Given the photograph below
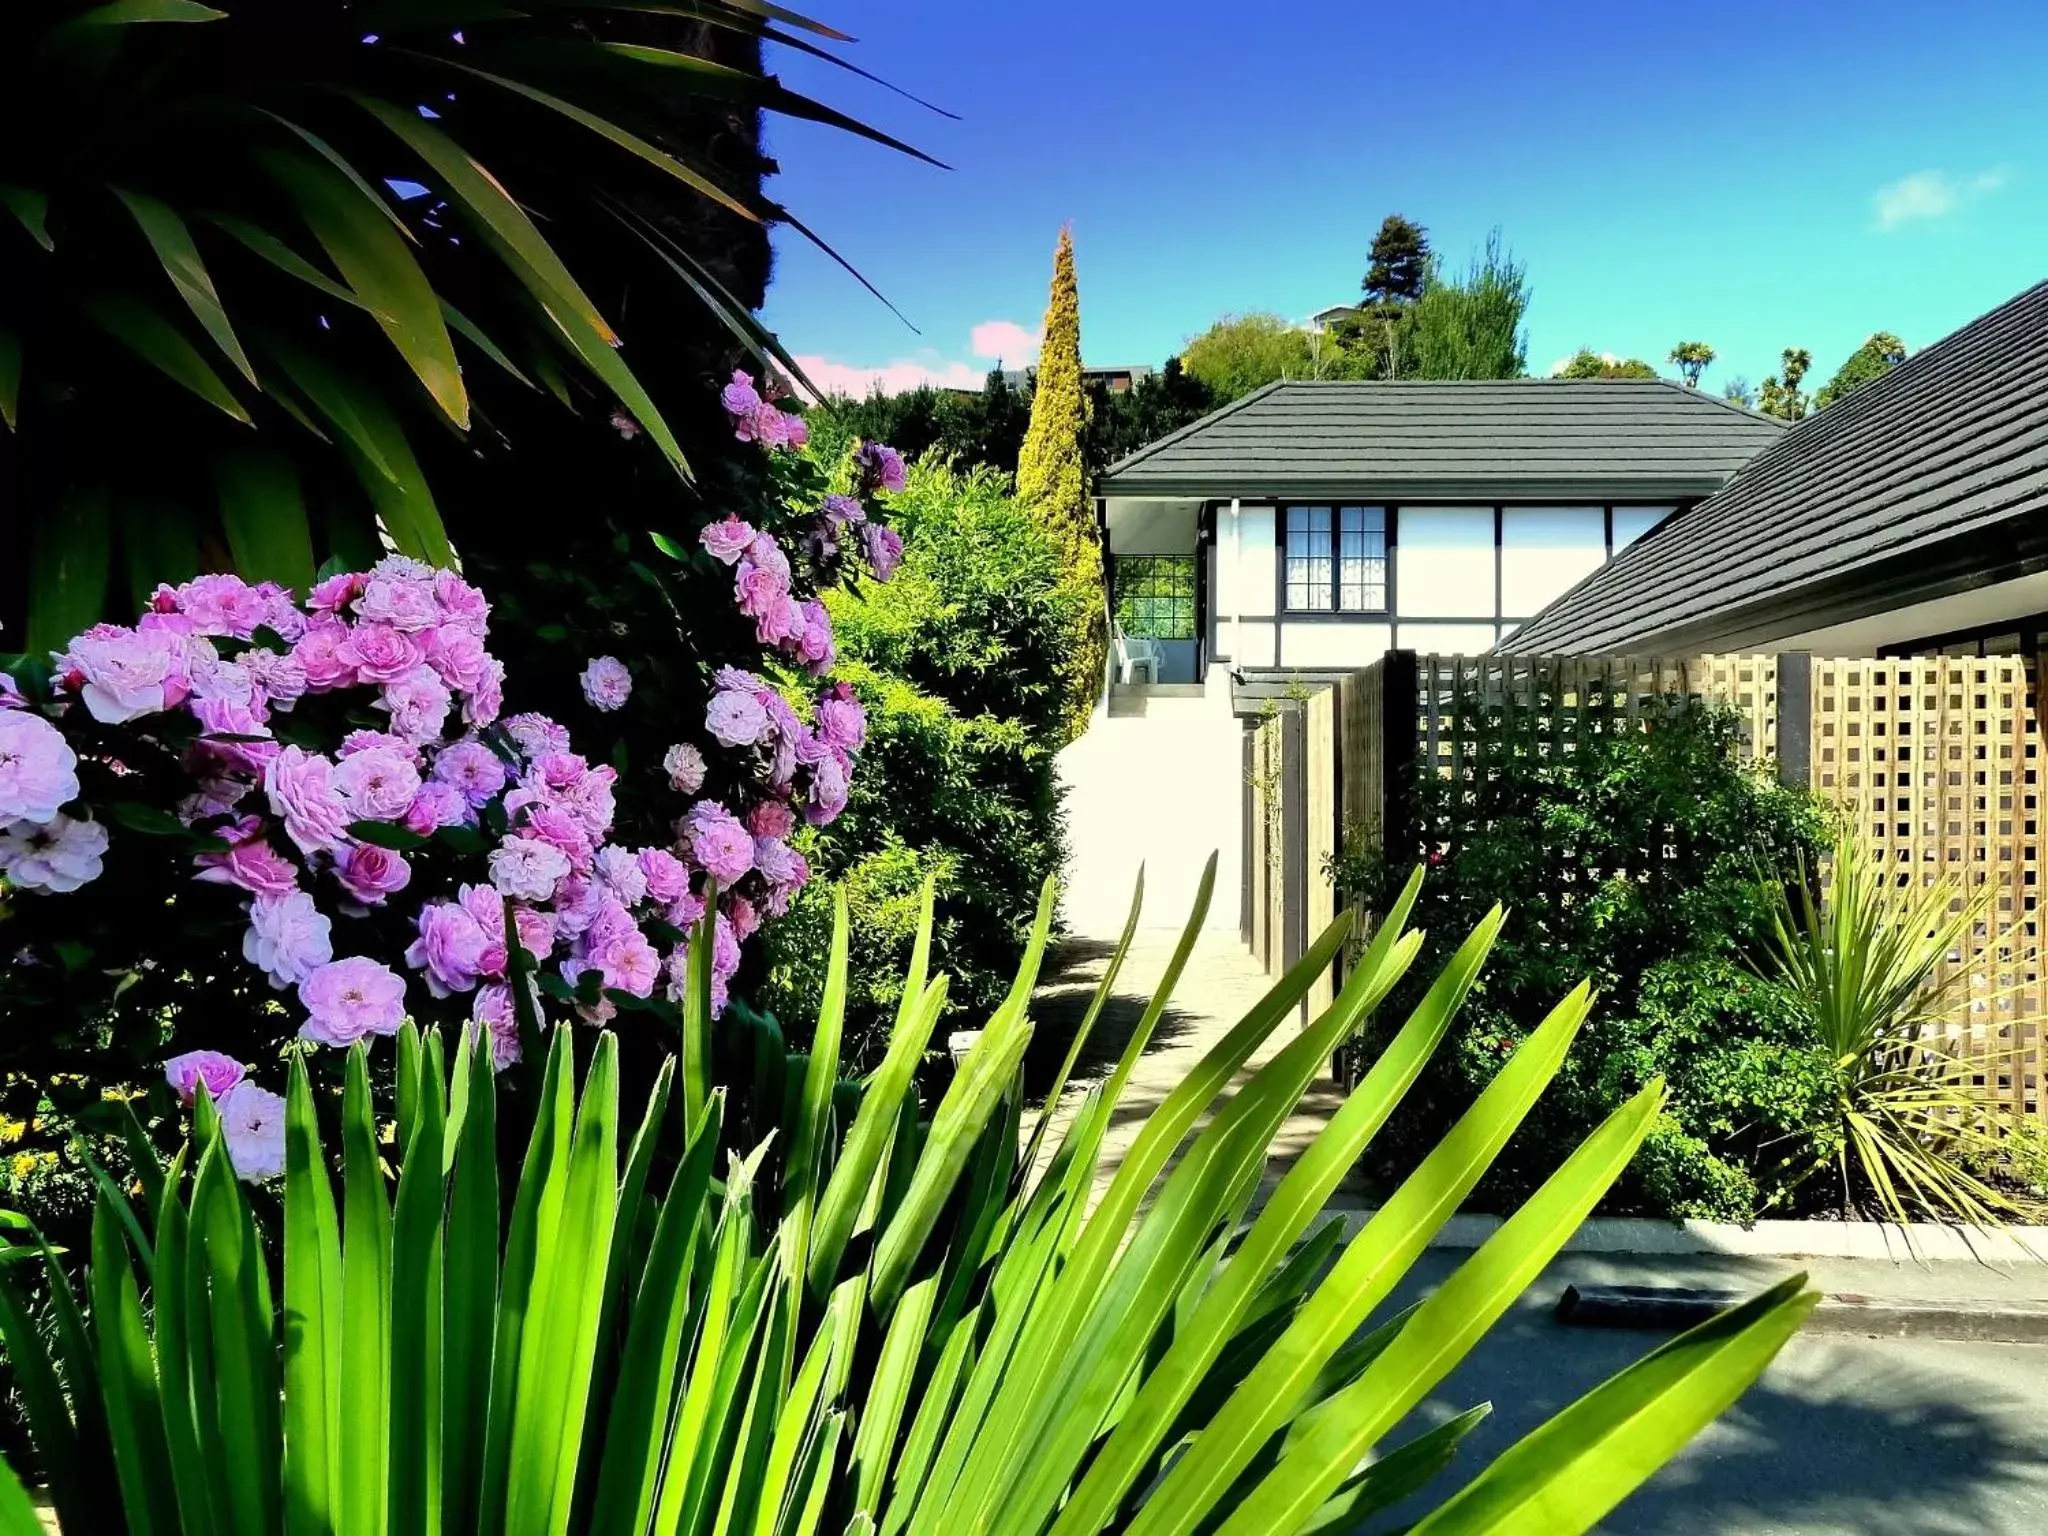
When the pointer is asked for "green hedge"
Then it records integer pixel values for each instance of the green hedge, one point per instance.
(1645, 861)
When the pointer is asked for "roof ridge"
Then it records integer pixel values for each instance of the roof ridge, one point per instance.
(1746, 412)
(1221, 411)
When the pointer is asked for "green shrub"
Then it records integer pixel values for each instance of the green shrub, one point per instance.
(956, 662)
(1650, 861)
(868, 1325)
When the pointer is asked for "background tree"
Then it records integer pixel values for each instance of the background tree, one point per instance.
(1122, 422)
(1878, 356)
(1470, 327)
(1588, 364)
(1737, 391)
(1693, 358)
(1240, 353)
(1399, 273)
(969, 429)
(1052, 480)
(1780, 394)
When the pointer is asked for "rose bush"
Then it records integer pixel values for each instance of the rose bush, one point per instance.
(345, 807)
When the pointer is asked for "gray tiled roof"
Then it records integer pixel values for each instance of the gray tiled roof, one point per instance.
(1644, 439)
(1858, 505)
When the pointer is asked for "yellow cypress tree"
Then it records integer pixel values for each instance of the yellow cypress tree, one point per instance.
(1051, 481)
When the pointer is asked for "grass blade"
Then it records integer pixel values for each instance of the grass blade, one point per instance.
(416, 1281)
(135, 1418)
(313, 1300)
(1567, 1474)
(365, 1309)
(469, 1290)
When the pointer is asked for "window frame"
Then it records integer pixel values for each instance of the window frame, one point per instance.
(1174, 596)
(1334, 611)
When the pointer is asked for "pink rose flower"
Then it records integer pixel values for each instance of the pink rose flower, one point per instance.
(494, 1015)
(735, 719)
(252, 1129)
(348, 999)
(814, 646)
(536, 930)
(11, 696)
(719, 843)
(765, 554)
(449, 949)
(537, 735)
(336, 592)
(559, 827)
(462, 605)
(202, 1069)
(527, 868)
(321, 653)
(226, 727)
(59, 855)
(775, 860)
(879, 467)
(223, 605)
(301, 789)
(288, 938)
(727, 539)
(279, 677)
(741, 401)
(486, 909)
(418, 704)
(828, 792)
(38, 769)
(486, 701)
(684, 765)
(437, 805)
(377, 785)
(664, 877)
(618, 871)
(884, 549)
(473, 768)
(380, 653)
(366, 741)
(771, 818)
(457, 657)
(578, 900)
(744, 919)
(369, 873)
(796, 432)
(686, 912)
(249, 862)
(280, 613)
(781, 623)
(606, 683)
(629, 963)
(842, 722)
(127, 673)
(403, 602)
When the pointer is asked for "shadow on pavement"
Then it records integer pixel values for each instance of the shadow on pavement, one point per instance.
(1842, 1437)
(1062, 1002)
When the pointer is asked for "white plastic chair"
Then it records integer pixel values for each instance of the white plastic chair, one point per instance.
(1135, 653)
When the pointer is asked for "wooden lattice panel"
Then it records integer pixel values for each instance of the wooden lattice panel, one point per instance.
(1937, 762)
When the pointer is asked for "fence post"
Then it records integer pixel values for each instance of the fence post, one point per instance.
(1398, 703)
(1293, 836)
(1795, 719)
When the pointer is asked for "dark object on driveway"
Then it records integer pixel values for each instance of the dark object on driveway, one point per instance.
(1668, 1308)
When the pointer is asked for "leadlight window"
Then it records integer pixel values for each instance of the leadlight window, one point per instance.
(1335, 560)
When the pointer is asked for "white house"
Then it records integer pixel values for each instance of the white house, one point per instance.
(1318, 525)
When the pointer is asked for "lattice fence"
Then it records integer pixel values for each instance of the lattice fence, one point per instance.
(1937, 761)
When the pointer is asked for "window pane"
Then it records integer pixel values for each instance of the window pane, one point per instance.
(1155, 596)
(1362, 559)
(1309, 563)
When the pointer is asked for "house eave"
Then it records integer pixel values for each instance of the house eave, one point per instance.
(1654, 489)
(2005, 551)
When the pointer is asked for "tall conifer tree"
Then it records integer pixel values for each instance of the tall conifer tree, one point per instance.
(1052, 482)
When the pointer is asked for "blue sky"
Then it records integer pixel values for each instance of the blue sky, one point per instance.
(1751, 175)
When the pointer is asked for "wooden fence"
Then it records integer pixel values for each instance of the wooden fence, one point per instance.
(1936, 761)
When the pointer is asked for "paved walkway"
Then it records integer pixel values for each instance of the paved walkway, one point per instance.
(1220, 984)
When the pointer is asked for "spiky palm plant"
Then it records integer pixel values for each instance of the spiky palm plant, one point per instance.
(262, 261)
(1866, 968)
(901, 1326)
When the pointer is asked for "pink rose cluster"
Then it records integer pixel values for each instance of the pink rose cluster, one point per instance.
(251, 1118)
(755, 420)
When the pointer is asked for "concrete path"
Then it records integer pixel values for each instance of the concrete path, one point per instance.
(1221, 983)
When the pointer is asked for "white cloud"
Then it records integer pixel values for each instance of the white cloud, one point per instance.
(988, 343)
(1928, 195)
(893, 378)
(1004, 341)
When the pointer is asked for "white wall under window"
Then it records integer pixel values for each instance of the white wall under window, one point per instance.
(1323, 643)
(1443, 562)
(1544, 551)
